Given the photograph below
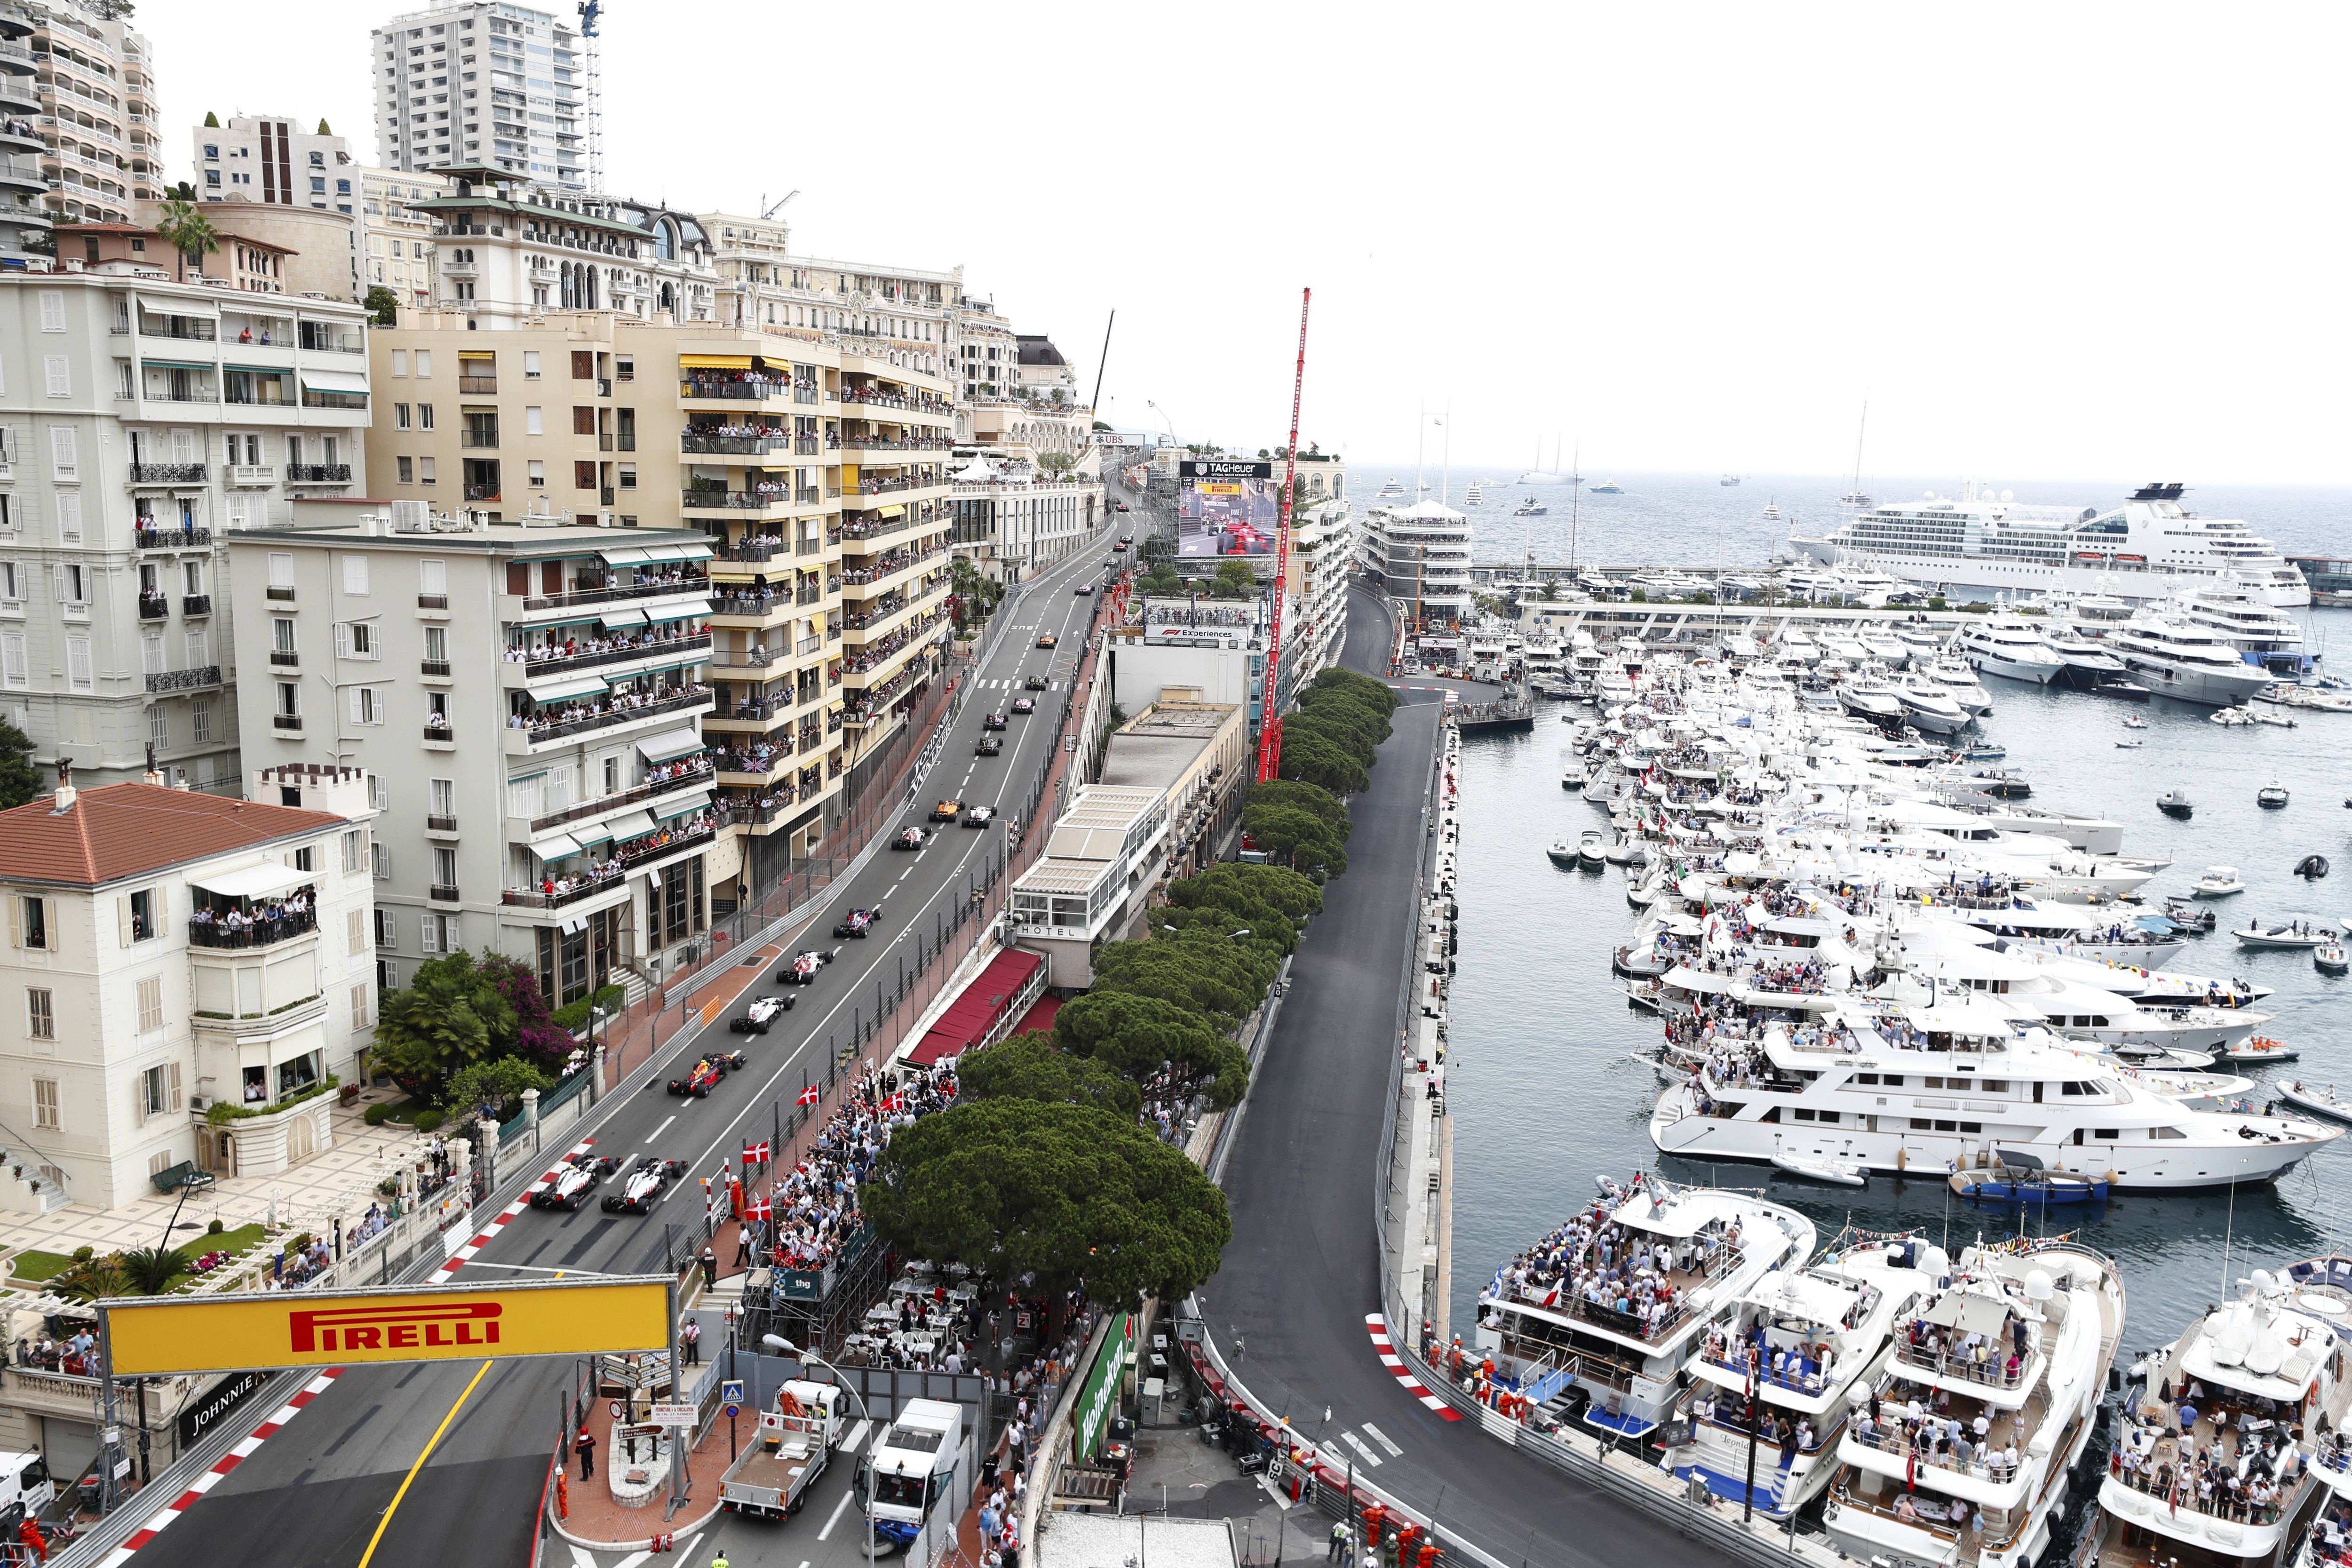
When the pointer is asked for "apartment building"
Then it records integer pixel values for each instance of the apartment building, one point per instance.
(468, 83)
(142, 421)
(505, 251)
(1323, 564)
(1011, 518)
(95, 116)
(1420, 556)
(525, 697)
(395, 240)
(814, 472)
(273, 159)
(169, 952)
(24, 188)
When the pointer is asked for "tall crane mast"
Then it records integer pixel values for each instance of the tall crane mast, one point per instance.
(1269, 723)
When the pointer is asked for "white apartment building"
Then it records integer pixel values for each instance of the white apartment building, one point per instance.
(506, 251)
(24, 188)
(395, 240)
(1420, 556)
(1011, 519)
(1323, 563)
(95, 116)
(483, 83)
(527, 699)
(141, 422)
(272, 158)
(186, 978)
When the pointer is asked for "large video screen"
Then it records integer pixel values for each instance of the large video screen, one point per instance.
(1226, 509)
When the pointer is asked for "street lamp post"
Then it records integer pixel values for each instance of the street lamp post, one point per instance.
(865, 1508)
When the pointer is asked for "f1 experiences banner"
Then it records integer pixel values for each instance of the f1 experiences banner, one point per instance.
(1226, 509)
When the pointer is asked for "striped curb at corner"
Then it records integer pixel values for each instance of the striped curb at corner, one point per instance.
(1378, 1327)
(229, 1461)
(458, 1258)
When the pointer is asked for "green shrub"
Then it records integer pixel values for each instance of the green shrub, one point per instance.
(574, 1016)
(377, 1115)
(84, 1254)
(214, 1228)
(428, 1120)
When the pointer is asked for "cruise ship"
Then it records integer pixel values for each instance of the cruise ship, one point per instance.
(2150, 547)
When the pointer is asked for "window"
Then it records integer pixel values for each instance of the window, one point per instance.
(62, 460)
(53, 311)
(367, 705)
(424, 416)
(355, 939)
(423, 470)
(354, 851)
(379, 862)
(379, 793)
(537, 471)
(158, 727)
(442, 795)
(282, 572)
(534, 421)
(359, 1006)
(530, 364)
(68, 517)
(400, 362)
(628, 476)
(387, 930)
(199, 720)
(357, 639)
(407, 466)
(583, 476)
(584, 363)
(2106, 1134)
(445, 865)
(424, 367)
(151, 653)
(355, 576)
(78, 666)
(14, 671)
(34, 927)
(151, 1004)
(400, 416)
(45, 1089)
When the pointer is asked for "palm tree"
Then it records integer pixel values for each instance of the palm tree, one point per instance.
(150, 1270)
(187, 230)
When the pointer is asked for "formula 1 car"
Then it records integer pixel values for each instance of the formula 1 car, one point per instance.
(580, 1176)
(801, 969)
(642, 1186)
(705, 1075)
(909, 838)
(1024, 705)
(1036, 683)
(858, 923)
(761, 1013)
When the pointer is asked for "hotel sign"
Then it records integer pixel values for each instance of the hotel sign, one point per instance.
(343, 1328)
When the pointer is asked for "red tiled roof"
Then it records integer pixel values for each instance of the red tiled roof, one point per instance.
(129, 829)
(974, 1013)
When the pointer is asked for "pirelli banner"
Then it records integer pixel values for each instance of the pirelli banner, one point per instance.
(556, 1317)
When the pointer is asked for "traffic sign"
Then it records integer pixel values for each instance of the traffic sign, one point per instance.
(671, 1416)
(732, 1390)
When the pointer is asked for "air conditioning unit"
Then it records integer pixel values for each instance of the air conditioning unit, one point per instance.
(412, 516)
(199, 1101)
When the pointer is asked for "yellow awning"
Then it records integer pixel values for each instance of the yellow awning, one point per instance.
(714, 362)
(892, 511)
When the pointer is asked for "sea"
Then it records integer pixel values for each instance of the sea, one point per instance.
(1550, 1082)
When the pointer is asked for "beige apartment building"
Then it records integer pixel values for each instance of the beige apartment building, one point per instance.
(816, 472)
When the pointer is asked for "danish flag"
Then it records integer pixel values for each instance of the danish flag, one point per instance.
(895, 1103)
(756, 1153)
(759, 1209)
(808, 1095)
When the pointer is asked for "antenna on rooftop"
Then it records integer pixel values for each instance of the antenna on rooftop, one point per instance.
(591, 18)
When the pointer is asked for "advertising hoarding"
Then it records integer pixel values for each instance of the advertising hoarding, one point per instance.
(1226, 507)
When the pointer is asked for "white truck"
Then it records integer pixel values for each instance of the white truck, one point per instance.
(909, 1470)
(24, 1488)
(773, 1477)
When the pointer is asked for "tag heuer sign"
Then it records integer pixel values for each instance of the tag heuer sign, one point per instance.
(1219, 469)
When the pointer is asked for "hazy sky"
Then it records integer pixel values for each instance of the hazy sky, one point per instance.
(2042, 241)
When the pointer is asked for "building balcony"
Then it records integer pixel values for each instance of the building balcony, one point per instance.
(876, 533)
(692, 582)
(252, 476)
(440, 824)
(687, 772)
(746, 611)
(201, 678)
(739, 501)
(154, 606)
(528, 737)
(866, 581)
(195, 604)
(578, 890)
(219, 932)
(167, 473)
(285, 724)
(749, 389)
(317, 473)
(700, 443)
(659, 648)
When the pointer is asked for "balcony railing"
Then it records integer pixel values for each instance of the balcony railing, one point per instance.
(196, 604)
(285, 659)
(479, 439)
(747, 391)
(444, 893)
(250, 931)
(167, 473)
(585, 887)
(482, 384)
(317, 473)
(441, 734)
(692, 584)
(440, 824)
(735, 446)
(185, 331)
(658, 647)
(686, 775)
(558, 729)
(285, 724)
(276, 592)
(432, 601)
(154, 606)
(193, 679)
(434, 668)
(740, 500)
(482, 492)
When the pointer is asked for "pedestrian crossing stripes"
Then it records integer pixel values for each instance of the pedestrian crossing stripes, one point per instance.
(457, 1260)
(229, 1461)
(1363, 1449)
(1378, 1327)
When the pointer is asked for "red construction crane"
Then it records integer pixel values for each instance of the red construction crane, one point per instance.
(1269, 724)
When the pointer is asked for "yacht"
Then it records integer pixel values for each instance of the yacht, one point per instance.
(2260, 1382)
(2010, 646)
(1922, 643)
(1772, 509)
(1390, 489)
(1568, 1337)
(1929, 709)
(1884, 647)
(1529, 508)
(1811, 1340)
(1607, 488)
(1796, 648)
(1962, 685)
(2263, 634)
(2011, 1359)
(1874, 698)
(1904, 1087)
(2178, 658)
(2087, 664)
(2149, 547)
(1475, 495)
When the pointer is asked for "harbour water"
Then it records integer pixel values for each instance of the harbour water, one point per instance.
(1547, 1091)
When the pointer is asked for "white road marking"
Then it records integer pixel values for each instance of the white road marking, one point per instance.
(1384, 1440)
(838, 1510)
(662, 1128)
(632, 1560)
(856, 1439)
(580, 1558)
(1363, 1449)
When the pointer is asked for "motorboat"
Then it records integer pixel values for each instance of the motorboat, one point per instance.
(2121, 690)
(1728, 479)
(2271, 797)
(1873, 698)
(2024, 1179)
(2329, 958)
(2218, 883)
(2011, 646)
(2261, 1049)
(1475, 495)
(1961, 684)
(1530, 507)
(2300, 933)
(2311, 868)
(1796, 648)
(2013, 1353)
(1929, 709)
(2175, 804)
(2231, 717)
(1821, 1168)
(1562, 854)
(2134, 722)
(1808, 1340)
(1576, 776)
(1591, 849)
(2000, 784)
(1545, 1317)
(1629, 850)
(1606, 488)
(2129, 745)
(2187, 917)
(2316, 1099)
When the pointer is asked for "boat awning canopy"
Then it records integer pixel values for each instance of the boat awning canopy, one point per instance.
(255, 882)
(349, 381)
(669, 745)
(1968, 1314)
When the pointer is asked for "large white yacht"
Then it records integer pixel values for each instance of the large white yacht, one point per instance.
(1811, 1340)
(2261, 633)
(1682, 1258)
(1893, 1086)
(2010, 646)
(1965, 1452)
(2176, 658)
(2147, 548)
(2236, 1430)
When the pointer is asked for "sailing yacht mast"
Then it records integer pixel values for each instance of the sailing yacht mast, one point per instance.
(1575, 505)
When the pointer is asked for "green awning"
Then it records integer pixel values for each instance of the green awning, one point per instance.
(684, 805)
(178, 364)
